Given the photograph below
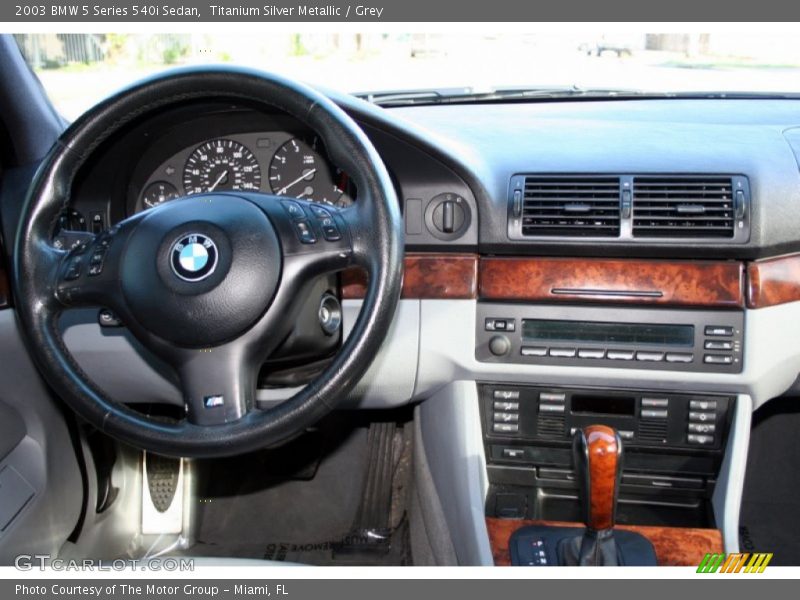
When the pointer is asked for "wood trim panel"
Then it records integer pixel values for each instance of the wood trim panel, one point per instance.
(427, 276)
(773, 281)
(718, 284)
(674, 546)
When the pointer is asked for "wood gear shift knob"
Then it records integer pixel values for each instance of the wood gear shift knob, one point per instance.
(598, 466)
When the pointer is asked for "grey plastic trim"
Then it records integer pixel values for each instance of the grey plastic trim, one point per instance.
(771, 358)
(451, 432)
(129, 373)
(727, 499)
(44, 457)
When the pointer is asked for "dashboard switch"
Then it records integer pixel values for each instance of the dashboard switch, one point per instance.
(505, 428)
(73, 270)
(294, 209)
(506, 394)
(719, 331)
(718, 359)
(304, 232)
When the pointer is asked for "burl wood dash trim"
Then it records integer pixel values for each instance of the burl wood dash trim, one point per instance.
(603, 452)
(773, 281)
(427, 276)
(718, 284)
(674, 546)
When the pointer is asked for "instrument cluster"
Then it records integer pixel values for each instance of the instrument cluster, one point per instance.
(273, 162)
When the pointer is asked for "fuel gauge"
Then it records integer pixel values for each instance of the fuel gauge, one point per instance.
(157, 193)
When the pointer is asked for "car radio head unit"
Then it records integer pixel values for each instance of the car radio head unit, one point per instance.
(666, 339)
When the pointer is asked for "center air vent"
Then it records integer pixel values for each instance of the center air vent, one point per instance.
(685, 207)
(570, 206)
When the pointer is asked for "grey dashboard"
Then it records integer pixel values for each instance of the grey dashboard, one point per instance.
(469, 153)
(493, 142)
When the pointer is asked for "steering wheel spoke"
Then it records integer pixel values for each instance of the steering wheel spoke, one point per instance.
(315, 238)
(218, 384)
(89, 273)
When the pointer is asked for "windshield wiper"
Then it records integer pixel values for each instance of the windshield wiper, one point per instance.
(468, 95)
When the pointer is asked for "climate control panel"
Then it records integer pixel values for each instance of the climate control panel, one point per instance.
(642, 418)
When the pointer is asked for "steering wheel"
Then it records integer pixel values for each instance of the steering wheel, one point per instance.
(211, 283)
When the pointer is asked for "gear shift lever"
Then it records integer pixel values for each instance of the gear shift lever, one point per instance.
(597, 460)
(597, 452)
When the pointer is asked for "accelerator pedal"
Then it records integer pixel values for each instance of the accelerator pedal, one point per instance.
(162, 494)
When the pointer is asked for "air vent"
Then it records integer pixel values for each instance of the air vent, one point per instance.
(653, 431)
(684, 207)
(571, 206)
(550, 426)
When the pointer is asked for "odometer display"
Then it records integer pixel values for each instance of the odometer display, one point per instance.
(221, 164)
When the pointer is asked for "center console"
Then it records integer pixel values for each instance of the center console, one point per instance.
(674, 445)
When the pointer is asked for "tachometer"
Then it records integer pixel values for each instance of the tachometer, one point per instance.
(221, 164)
(298, 170)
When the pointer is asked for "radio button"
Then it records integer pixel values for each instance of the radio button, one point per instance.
(702, 405)
(651, 413)
(499, 345)
(562, 352)
(505, 428)
(718, 359)
(703, 440)
(552, 397)
(551, 408)
(533, 351)
(719, 331)
(499, 325)
(702, 417)
(675, 357)
(701, 428)
(650, 356)
(505, 417)
(655, 402)
(620, 354)
(625, 435)
(506, 394)
(589, 353)
(718, 345)
(504, 406)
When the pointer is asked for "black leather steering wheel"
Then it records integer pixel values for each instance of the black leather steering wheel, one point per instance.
(210, 283)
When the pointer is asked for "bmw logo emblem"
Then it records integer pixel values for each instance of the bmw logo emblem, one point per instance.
(194, 257)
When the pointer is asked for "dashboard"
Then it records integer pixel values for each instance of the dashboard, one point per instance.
(559, 255)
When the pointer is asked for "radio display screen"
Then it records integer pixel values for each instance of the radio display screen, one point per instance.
(545, 330)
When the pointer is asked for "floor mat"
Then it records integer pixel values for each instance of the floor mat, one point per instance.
(294, 504)
(770, 516)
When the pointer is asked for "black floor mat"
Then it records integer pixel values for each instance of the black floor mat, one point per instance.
(770, 517)
(294, 504)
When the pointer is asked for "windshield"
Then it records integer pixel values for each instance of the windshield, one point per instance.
(78, 70)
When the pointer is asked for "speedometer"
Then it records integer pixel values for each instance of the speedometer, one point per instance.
(221, 164)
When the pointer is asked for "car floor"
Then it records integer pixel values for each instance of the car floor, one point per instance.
(299, 503)
(770, 516)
